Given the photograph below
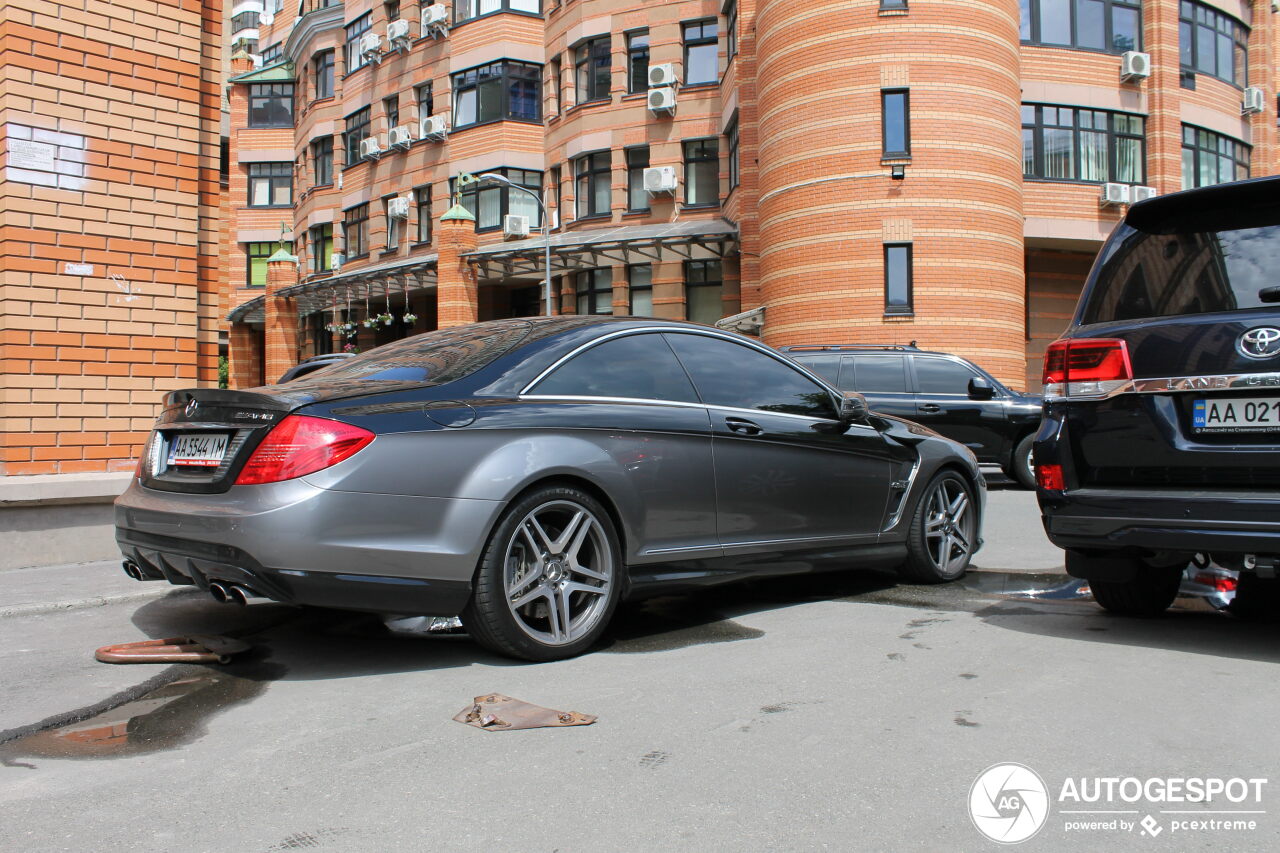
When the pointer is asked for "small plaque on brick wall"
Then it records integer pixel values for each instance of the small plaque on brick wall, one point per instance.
(25, 154)
(77, 269)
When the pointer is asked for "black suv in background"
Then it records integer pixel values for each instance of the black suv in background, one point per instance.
(944, 392)
(1161, 434)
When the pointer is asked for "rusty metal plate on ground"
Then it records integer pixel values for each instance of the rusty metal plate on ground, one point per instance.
(497, 713)
(198, 648)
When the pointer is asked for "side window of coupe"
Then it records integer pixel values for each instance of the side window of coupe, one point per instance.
(730, 374)
(637, 366)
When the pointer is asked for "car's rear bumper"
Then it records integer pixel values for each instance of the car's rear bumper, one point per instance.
(296, 543)
(1151, 521)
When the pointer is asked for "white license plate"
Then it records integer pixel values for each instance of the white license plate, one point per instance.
(200, 450)
(1236, 414)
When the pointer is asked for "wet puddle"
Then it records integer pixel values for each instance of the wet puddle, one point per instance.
(168, 716)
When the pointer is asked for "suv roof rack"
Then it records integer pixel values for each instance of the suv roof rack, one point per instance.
(911, 347)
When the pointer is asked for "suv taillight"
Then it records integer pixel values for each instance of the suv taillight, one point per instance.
(301, 445)
(1086, 367)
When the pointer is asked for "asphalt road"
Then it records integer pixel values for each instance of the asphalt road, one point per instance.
(839, 712)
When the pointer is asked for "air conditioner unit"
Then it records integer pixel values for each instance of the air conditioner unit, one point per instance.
(660, 179)
(398, 32)
(1255, 101)
(1135, 65)
(515, 226)
(370, 147)
(400, 137)
(398, 208)
(266, 19)
(662, 99)
(335, 260)
(1115, 193)
(1137, 194)
(435, 20)
(662, 75)
(371, 46)
(433, 127)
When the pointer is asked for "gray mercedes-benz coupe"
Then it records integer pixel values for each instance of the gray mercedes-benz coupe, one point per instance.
(529, 474)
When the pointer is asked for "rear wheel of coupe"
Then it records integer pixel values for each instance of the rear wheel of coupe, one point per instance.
(549, 577)
(1148, 593)
(944, 531)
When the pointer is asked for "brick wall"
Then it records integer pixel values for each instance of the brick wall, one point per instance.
(108, 233)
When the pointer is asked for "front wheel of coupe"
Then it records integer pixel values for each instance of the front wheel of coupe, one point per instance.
(549, 577)
(944, 531)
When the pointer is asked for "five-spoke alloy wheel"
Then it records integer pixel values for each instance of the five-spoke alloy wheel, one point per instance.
(943, 531)
(549, 578)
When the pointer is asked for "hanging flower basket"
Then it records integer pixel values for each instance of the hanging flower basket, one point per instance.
(386, 319)
(410, 319)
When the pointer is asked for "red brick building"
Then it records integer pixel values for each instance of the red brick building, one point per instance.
(871, 171)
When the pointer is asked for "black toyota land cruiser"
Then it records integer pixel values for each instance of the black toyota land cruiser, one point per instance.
(1161, 434)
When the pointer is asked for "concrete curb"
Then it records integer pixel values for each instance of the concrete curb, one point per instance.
(81, 603)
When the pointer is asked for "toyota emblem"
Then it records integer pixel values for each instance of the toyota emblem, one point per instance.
(1262, 342)
(192, 405)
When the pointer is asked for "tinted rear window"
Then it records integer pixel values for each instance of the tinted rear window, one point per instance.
(871, 374)
(1144, 275)
(433, 358)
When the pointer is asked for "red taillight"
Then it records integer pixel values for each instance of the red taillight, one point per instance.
(1049, 477)
(1220, 583)
(301, 445)
(1087, 360)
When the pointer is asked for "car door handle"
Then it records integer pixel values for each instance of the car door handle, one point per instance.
(931, 408)
(742, 427)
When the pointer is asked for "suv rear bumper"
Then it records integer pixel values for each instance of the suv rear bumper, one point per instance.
(1142, 520)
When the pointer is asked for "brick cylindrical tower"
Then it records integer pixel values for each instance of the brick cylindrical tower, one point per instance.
(457, 302)
(829, 205)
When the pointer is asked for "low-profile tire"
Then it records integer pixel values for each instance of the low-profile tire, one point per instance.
(1148, 593)
(943, 533)
(549, 577)
(1022, 464)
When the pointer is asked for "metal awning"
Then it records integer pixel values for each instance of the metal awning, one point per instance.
(278, 72)
(698, 239)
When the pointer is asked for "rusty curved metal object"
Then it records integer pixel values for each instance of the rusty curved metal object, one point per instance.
(198, 648)
(495, 713)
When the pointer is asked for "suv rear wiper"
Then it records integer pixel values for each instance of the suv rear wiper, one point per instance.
(1269, 294)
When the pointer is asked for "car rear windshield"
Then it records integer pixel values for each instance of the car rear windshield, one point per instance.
(433, 358)
(1178, 273)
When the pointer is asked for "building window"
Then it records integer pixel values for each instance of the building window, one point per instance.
(271, 54)
(901, 5)
(357, 131)
(1210, 158)
(270, 105)
(321, 247)
(595, 291)
(257, 253)
(637, 162)
(244, 21)
(703, 291)
(593, 175)
(395, 227)
(1068, 144)
(638, 61)
(355, 231)
(554, 71)
(270, 184)
(701, 173)
(1113, 26)
(701, 53)
(426, 104)
(558, 219)
(392, 10)
(323, 64)
(895, 122)
(897, 278)
(735, 169)
(351, 50)
(640, 281)
(423, 195)
(488, 204)
(1212, 43)
(591, 62)
(391, 109)
(498, 91)
(322, 161)
(731, 27)
(465, 10)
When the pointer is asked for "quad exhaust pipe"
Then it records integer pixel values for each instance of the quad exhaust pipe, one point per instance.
(229, 593)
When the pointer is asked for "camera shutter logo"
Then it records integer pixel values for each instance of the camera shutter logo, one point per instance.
(1008, 803)
(1260, 342)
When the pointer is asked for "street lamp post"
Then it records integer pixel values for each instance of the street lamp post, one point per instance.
(493, 177)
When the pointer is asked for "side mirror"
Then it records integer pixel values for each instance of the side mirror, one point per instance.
(980, 389)
(853, 408)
